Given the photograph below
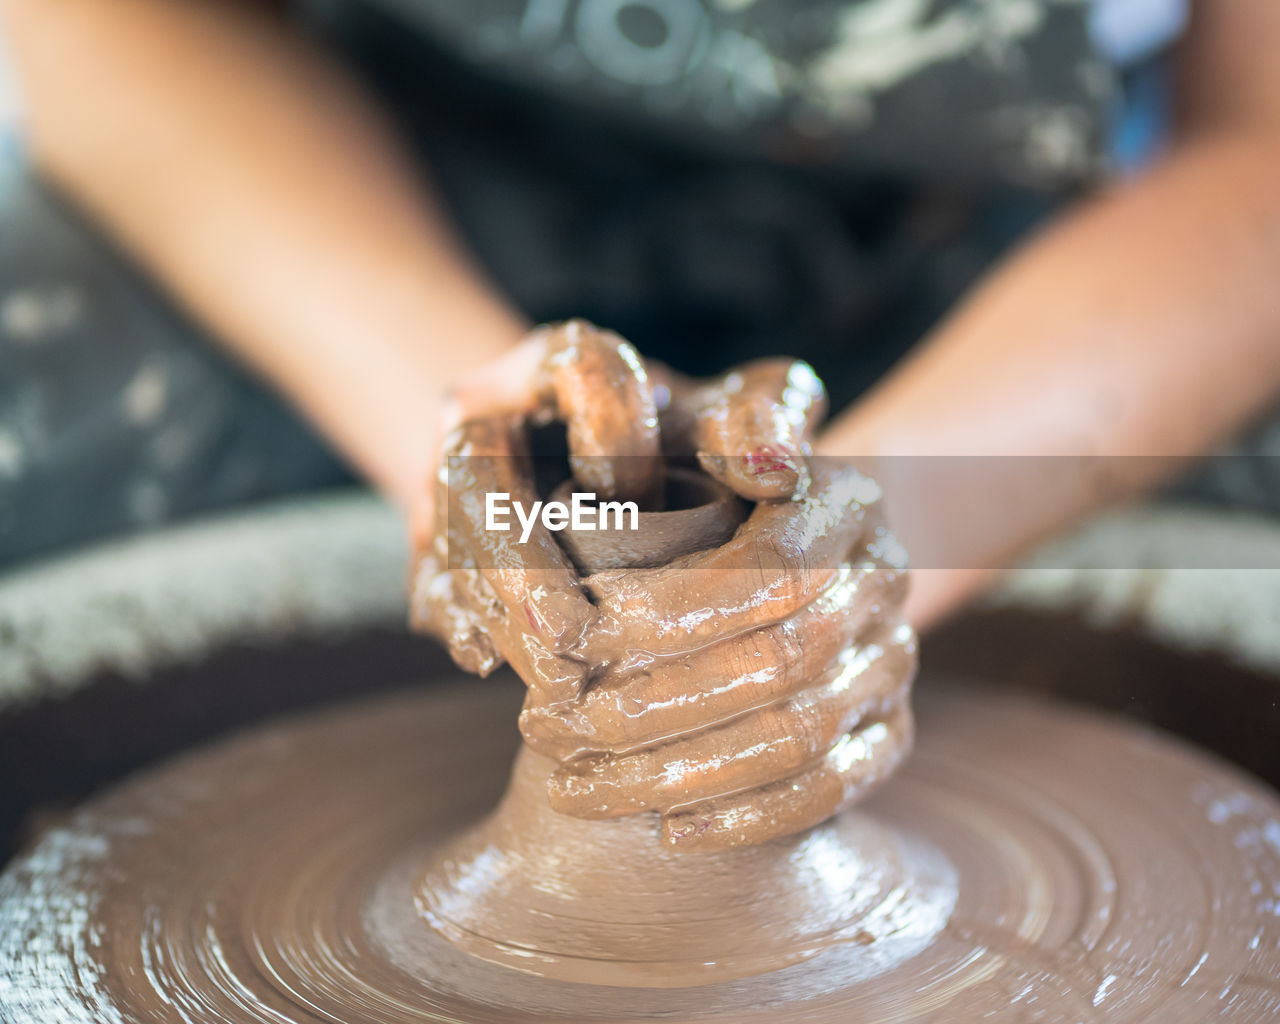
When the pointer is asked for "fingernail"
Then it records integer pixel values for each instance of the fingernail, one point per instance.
(770, 459)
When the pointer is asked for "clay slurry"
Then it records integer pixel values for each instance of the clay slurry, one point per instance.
(675, 840)
(1096, 871)
(741, 669)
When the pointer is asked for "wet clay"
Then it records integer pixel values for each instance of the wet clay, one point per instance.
(594, 381)
(749, 427)
(666, 847)
(745, 679)
(697, 514)
(1089, 871)
(800, 712)
(743, 692)
(528, 604)
(607, 903)
(731, 749)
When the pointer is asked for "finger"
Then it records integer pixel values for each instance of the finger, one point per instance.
(596, 383)
(449, 605)
(533, 581)
(507, 386)
(751, 751)
(754, 431)
(437, 604)
(552, 679)
(788, 383)
(778, 561)
(437, 608)
(673, 696)
(852, 769)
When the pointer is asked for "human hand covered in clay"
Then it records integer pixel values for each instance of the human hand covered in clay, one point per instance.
(488, 599)
(745, 692)
(749, 428)
(527, 607)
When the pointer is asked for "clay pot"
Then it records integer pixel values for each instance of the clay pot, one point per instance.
(698, 514)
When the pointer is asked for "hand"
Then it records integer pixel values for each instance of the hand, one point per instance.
(784, 707)
(759, 720)
(560, 372)
(488, 599)
(749, 428)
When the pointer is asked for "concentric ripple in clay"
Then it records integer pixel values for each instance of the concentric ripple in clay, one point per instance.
(1100, 873)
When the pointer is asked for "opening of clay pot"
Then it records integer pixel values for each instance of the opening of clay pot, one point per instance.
(698, 514)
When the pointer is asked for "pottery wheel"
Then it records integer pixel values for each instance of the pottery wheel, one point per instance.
(1098, 872)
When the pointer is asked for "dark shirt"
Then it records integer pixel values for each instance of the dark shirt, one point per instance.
(1011, 90)
(722, 179)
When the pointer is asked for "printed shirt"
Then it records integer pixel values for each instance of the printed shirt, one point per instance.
(1028, 91)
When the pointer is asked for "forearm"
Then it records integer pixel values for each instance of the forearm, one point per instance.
(1146, 323)
(260, 185)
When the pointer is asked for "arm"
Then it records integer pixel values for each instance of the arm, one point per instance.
(266, 191)
(1145, 323)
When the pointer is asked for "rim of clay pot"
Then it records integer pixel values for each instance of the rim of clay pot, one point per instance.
(698, 514)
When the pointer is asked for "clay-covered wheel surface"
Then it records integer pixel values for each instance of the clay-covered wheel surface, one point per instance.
(1103, 873)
